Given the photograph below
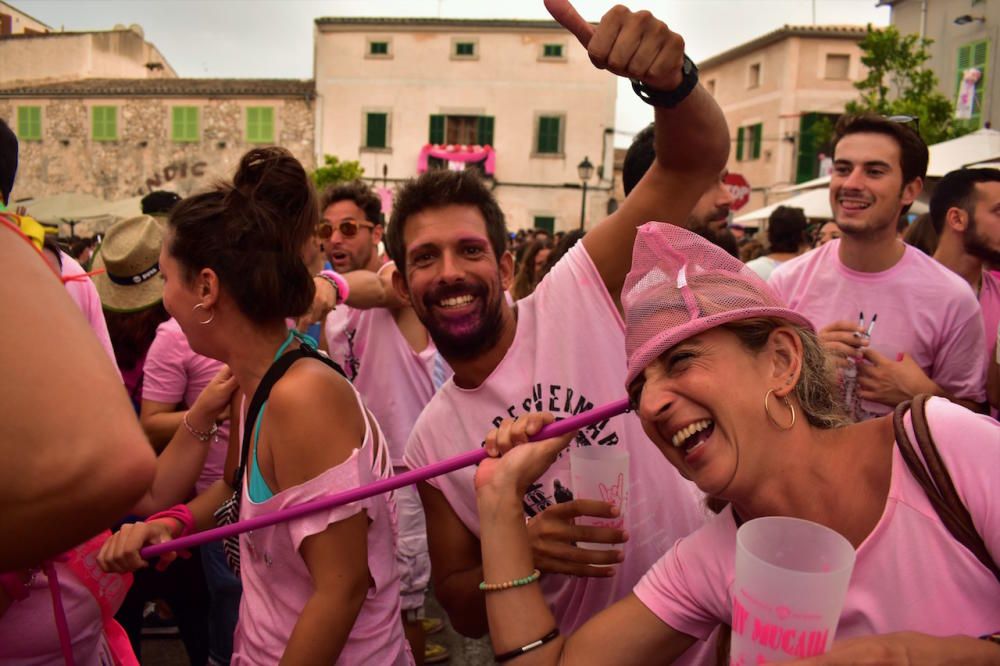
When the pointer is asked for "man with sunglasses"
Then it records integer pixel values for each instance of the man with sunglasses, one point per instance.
(929, 335)
(390, 359)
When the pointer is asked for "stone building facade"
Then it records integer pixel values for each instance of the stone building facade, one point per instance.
(119, 138)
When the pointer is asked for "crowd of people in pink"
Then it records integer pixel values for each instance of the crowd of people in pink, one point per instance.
(258, 346)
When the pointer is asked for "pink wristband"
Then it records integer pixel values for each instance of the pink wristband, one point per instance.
(14, 586)
(339, 282)
(182, 514)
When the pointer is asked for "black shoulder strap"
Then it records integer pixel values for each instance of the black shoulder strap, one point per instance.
(267, 382)
(932, 474)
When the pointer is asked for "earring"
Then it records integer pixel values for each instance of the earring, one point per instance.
(199, 306)
(788, 403)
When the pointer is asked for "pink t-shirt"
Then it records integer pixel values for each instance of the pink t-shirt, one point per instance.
(84, 294)
(277, 583)
(568, 355)
(175, 374)
(989, 301)
(28, 635)
(910, 573)
(923, 309)
(395, 381)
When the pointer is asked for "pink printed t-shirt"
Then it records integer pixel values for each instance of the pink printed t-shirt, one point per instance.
(568, 355)
(175, 374)
(923, 309)
(84, 294)
(910, 574)
(277, 583)
(989, 301)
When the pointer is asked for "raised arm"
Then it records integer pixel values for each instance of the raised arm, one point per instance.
(692, 139)
(75, 458)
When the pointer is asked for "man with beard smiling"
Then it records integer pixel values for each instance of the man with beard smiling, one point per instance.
(710, 216)
(560, 349)
(929, 335)
(965, 211)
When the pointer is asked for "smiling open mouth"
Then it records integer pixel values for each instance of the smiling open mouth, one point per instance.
(853, 204)
(456, 301)
(691, 437)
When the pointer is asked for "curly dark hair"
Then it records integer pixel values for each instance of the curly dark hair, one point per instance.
(357, 191)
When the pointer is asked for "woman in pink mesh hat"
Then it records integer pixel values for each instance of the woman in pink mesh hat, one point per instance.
(734, 390)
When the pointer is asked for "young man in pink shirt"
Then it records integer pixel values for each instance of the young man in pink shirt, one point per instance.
(393, 364)
(899, 323)
(965, 211)
(560, 349)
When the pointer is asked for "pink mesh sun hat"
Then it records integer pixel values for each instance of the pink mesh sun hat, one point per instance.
(681, 285)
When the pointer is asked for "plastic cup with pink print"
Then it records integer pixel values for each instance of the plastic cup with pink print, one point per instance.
(791, 580)
(600, 473)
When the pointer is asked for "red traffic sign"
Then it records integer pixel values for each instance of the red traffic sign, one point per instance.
(739, 188)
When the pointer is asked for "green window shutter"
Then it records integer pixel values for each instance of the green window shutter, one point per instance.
(184, 123)
(104, 123)
(546, 222)
(807, 165)
(552, 51)
(548, 134)
(980, 60)
(29, 123)
(377, 130)
(758, 131)
(260, 124)
(484, 132)
(465, 48)
(437, 130)
(739, 144)
(379, 48)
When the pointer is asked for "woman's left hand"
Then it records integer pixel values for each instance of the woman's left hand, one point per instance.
(907, 648)
(519, 465)
(214, 399)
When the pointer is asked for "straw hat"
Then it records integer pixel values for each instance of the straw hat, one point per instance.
(130, 257)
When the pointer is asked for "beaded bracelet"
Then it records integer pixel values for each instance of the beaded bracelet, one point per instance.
(517, 582)
(200, 435)
(524, 649)
(339, 283)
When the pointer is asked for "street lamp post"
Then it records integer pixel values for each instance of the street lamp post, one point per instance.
(585, 169)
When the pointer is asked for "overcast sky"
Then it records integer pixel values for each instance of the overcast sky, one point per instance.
(273, 38)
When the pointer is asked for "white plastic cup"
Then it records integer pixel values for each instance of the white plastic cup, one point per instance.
(600, 473)
(789, 589)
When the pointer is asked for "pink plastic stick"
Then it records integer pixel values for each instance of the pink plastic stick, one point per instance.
(570, 424)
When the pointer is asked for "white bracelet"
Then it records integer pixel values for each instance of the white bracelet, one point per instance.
(200, 435)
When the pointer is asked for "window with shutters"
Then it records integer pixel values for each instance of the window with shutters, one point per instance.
(376, 130)
(379, 48)
(184, 124)
(974, 55)
(545, 223)
(29, 123)
(748, 142)
(461, 130)
(553, 52)
(549, 135)
(838, 66)
(465, 48)
(260, 124)
(814, 138)
(104, 123)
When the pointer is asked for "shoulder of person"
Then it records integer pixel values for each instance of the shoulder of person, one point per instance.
(937, 277)
(310, 385)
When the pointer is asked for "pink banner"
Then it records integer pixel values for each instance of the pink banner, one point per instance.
(458, 154)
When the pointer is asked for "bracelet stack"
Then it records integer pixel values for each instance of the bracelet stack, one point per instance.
(506, 585)
(201, 435)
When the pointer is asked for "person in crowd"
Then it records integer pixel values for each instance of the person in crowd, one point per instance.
(786, 228)
(870, 277)
(365, 341)
(710, 216)
(565, 244)
(322, 589)
(965, 211)
(130, 284)
(560, 348)
(751, 249)
(826, 232)
(733, 389)
(922, 235)
(528, 274)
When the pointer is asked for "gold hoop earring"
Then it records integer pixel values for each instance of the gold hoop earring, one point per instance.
(211, 316)
(788, 403)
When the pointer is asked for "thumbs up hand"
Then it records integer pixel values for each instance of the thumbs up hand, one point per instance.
(635, 45)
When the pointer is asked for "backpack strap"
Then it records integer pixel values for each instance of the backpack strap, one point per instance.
(930, 471)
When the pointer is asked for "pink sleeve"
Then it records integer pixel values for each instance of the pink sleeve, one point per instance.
(84, 294)
(164, 375)
(960, 365)
(688, 588)
(345, 476)
(969, 443)
(576, 269)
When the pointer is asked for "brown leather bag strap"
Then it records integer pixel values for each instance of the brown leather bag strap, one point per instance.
(932, 474)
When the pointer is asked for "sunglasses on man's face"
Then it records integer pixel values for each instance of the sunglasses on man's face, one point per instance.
(348, 228)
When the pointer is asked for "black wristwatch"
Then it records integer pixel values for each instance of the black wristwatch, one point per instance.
(669, 99)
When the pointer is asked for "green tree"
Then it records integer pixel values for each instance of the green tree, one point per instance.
(335, 171)
(898, 84)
